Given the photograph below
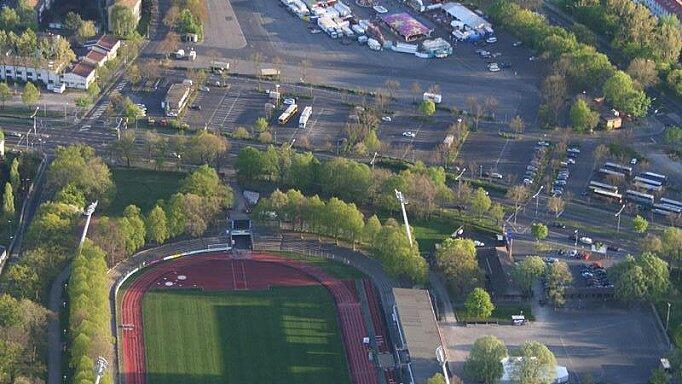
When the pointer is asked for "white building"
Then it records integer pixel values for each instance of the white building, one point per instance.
(81, 76)
(175, 99)
(48, 74)
(467, 17)
(664, 7)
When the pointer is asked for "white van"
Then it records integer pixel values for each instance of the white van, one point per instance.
(435, 97)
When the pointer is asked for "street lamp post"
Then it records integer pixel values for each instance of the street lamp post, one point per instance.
(575, 245)
(618, 216)
(537, 199)
(667, 318)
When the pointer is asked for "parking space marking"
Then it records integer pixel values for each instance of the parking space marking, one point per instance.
(229, 111)
(210, 119)
(501, 152)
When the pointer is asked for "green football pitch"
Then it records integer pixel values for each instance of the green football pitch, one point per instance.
(283, 335)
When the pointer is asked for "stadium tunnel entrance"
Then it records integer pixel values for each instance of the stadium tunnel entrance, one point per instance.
(240, 234)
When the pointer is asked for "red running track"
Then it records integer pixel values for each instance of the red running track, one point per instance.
(218, 271)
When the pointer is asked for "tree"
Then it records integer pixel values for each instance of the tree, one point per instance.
(122, 21)
(205, 182)
(241, 133)
(645, 277)
(72, 21)
(207, 148)
(78, 165)
(457, 259)
(553, 93)
(14, 176)
(31, 94)
(583, 119)
(639, 224)
(8, 201)
(643, 71)
(537, 364)
(527, 271)
(620, 91)
(478, 304)
(651, 244)
(427, 108)
(658, 376)
(132, 225)
(261, 125)
(480, 202)
(438, 378)
(555, 204)
(157, 226)
(484, 363)
(5, 93)
(558, 276)
(539, 231)
(496, 212)
(86, 30)
(516, 124)
(372, 228)
(671, 243)
(517, 194)
(125, 146)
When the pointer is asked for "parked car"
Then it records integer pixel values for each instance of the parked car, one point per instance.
(558, 224)
(491, 40)
(586, 240)
(479, 244)
(289, 101)
(409, 134)
(517, 43)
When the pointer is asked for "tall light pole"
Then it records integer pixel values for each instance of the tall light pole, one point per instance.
(537, 199)
(667, 318)
(440, 356)
(401, 198)
(88, 212)
(618, 216)
(100, 366)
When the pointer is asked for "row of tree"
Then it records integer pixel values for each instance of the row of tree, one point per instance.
(651, 44)
(89, 331)
(345, 221)
(581, 64)
(26, 48)
(346, 179)
(19, 17)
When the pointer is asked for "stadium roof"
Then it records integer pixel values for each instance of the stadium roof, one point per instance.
(407, 26)
(420, 332)
(465, 15)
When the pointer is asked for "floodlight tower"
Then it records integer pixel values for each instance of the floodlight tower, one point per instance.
(88, 212)
(401, 198)
(100, 366)
(440, 355)
(618, 216)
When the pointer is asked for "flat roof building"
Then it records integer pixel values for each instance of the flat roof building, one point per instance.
(466, 16)
(419, 331)
(175, 99)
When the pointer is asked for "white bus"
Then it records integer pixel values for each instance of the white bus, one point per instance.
(607, 171)
(612, 197)
(607, 187)
(288, 114)
(672, 202)
(648, 181)
(305, 115)
(655, 176)
(639, 197)
(620, 168)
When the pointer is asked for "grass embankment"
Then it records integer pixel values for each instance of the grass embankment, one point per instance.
(283, 335)
(143, 188)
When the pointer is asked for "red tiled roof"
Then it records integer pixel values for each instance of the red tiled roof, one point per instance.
(83, 69)
(107, 42)
(95, 56)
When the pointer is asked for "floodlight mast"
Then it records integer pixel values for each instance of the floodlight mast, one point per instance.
(401, 198)
(100, 366)
(440, 356)
(88, 212)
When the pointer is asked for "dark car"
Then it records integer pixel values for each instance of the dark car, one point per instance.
(558, 224)
(196, 107)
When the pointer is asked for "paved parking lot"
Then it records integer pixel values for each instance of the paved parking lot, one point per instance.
(614, 344)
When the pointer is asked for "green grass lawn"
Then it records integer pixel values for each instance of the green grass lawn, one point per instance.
(142, 187)
(284, 335)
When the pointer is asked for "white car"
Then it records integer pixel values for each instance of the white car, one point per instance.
(570, 160)
(586, 240)
(496, 175)
(380, 9)
(386, 119)
(493, 68)
(409, 134)
(517, 43)
(289, 101)
(573, 253)
(491, 40)
(633, 161)
(205, 89)
(533, 58)
(479, 244)
(573, 150)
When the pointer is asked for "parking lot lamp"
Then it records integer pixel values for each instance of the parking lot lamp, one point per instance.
(618, 217)
(667, 317)
(576, 240)
(537, 199)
